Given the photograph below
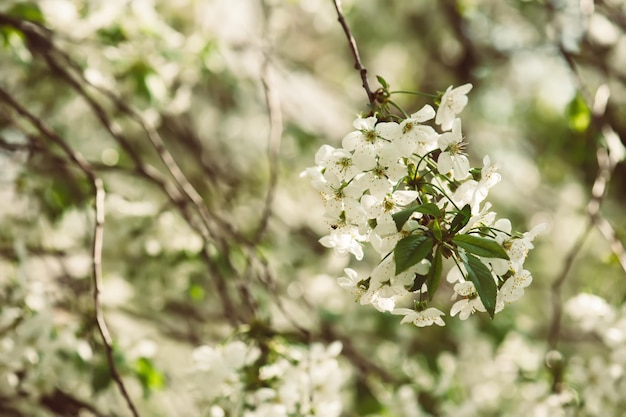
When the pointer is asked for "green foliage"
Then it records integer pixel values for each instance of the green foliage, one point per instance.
(382, 82)
(196, 292)
(460, 220)
(151, 379)
(100, 377)
(148, 51)
(480, 246)
(481, 277)
(113, 35)
(27, 10)
(411, 250)
(578, 114)
(434, 273)
(401, 217)
(143, 76)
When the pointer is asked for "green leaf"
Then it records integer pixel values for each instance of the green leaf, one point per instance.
(151, 379)
(382, 82)
(485, 285)
(27, 11)
(429, 189)
(434, 274)
(100, 377)
(480, 246)
(113, 35)
(437, 230)
(429, 208)
(402, 216)
(196, 292)
(578, 114)
(410, 250)
(477, 173)
(461, 219)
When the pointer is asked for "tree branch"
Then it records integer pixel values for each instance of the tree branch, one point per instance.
(358, 65)
(606, 164)
(98, 189)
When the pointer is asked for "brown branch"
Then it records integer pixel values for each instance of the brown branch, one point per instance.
(174, 193)
(62, 403)
(556, 287)
(146, 170)
(98, 189)
(209, 219)
(607, 161)
(609, 234)
(606, 165)
(358, 65)
(273, 149)
(595, 219)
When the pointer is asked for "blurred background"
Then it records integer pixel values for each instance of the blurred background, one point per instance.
(199, 116)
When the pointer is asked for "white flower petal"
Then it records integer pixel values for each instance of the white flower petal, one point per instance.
(424, 114)
(445, 163)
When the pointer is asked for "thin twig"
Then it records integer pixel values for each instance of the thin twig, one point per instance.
(173, 192)
(40, 42)
(273, 149)
(44, 47)
(98, 189)
(209, 219)
(358, 65)
(608, 232)
(606, 165)
(607, 161)
(557, 284)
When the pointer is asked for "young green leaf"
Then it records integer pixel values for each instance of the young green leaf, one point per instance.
(461, 219)
(28, 11)
(480, 246)
(578, 114)
(382, 82)
(434, 274)
(429, 208)
(410, 250)
(151, 379)
(437, 233)
(402, 216)
(485, 285)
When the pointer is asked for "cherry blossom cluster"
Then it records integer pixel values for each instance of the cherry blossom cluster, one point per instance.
(276, 379)
(404, 185)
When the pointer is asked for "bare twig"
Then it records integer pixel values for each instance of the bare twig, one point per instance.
(557, 284)
(149, 172)
(181, 194)
(606, 165)
(273, 149)
(609, 234)
(209, 219)
(98, 189)
(65, 404)
(606, 161)
(358, 65)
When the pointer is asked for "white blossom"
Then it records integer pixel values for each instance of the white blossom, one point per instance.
(452, 155)
(424, 318)
(368, 139)
(452, 103)
(469, 304)
(345, 239)
(475, 192)
(417, 138)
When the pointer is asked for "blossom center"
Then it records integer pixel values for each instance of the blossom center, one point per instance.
(456, 148)
(370, 136)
